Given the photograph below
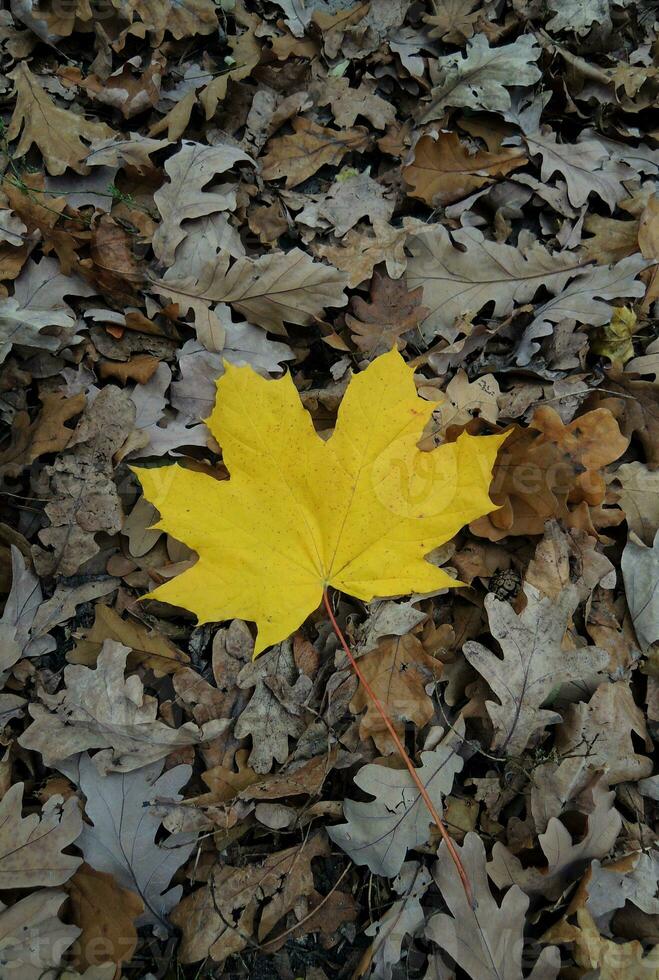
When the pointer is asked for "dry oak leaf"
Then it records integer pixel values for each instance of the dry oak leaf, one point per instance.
(488, 940)
(607, 724)
(405, 917)
(389, 504)
(466, 400)
(565, 859)
(393, 311)
(59, 133)
(534, 663)
(189, 170)
(453, 20)
(47, 434)
(311, 147)
(33, 938)
(105, 913)
(273, 289)
(347, 103)
(481, 79)
(217, 920)
(547, 466)
(640, 571)
(398, 670)
(80, 488)
(124, 821)
(460, 278)
(31, 847)
(358, 254)
(597, 956)
(378, 833)
(444, 171)
(637, 491)
(586, 166)
(148, 647)
(100, 709)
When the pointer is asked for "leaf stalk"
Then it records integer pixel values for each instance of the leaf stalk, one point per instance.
(382, 711)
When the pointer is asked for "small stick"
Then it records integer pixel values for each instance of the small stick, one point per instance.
(403, 754)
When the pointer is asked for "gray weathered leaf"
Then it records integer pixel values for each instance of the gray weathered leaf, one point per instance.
(33, 938)
(640, 571)
(23, 603)
(31, 847)
(609, 888)
(126, 810)
(460, 280)
(405, 918)
(583, 300)
(380, 833)
(100, 709)
(481, 79)
(565, 859)
(486, 941)
(586, 166)
(578, 16)
(194, 392)
(266, 719)
(534, 663)
(189, 170)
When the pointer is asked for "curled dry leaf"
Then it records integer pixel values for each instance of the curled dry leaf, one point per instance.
(398, 670)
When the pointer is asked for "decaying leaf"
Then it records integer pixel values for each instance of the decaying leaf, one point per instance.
(216, 919)
(596, 953)
(83, 496)
(392, 312)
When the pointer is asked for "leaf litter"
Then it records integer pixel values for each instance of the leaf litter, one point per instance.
(366, 296)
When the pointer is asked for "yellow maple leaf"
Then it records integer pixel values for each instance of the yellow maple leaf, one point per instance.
(359, 511)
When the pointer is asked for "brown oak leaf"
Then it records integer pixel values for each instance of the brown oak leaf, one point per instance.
(393, 311)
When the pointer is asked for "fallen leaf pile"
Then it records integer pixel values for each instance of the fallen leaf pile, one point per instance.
(346, 296)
